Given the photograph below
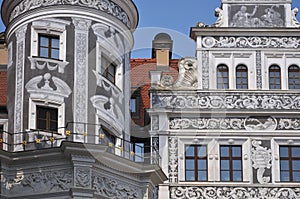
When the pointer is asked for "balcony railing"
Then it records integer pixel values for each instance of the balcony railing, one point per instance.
(35, 139)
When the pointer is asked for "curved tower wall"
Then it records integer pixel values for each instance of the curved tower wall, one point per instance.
(71, 77)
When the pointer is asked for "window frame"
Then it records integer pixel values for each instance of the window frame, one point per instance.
(222, 70)
(277, 70)
(290, 160)
(231, 158)
(49, 47)
(48, 120)
(196, 158)
(241, 69)
(294, 77)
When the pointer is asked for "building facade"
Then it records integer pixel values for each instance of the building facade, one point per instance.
(67, 131)
(228, 127)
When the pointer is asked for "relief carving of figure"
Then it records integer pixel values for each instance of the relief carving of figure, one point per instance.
(295, 22)
(243, 18)
(220, 15)
(271, 18)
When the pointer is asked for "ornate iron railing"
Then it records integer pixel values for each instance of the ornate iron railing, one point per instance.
(36, 139)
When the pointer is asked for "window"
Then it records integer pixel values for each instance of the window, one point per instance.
(289, 163)
(294, 76)
(222, 77)
(48, 46)
(231, 163)
(108, 70)
(138, 149)
(196, 163)
(274, 77)
(241, 77)
(1, 128)
(47, 118)
(135, 104)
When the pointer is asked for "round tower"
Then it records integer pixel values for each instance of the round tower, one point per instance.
(68, 65)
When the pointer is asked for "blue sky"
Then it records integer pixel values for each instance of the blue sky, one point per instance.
(174, 17)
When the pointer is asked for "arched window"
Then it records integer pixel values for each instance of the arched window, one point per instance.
(222, 77)
(274, 77)
(241, 77)
(294, 76)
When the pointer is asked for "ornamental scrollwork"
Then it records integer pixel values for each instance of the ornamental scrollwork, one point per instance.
(233, 101)
(114, 189)
(101, 5)
(173, 159)
(39, 182)
(261, 158)
(289, 124)
(208, 123)
(251, 42)
(189, 192)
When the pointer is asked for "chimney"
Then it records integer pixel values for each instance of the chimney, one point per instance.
(162, 50)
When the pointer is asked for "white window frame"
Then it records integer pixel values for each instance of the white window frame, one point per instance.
(60, 106)
(50, 26)
(275, 144)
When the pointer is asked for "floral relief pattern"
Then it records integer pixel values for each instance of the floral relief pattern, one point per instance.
(233, 101)
(173, 159)
(251, 42)
(101, 5)
(234, 193)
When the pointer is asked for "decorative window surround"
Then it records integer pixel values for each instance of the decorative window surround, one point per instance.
(49, 26)
(275, 143)
(213, 155)
(110, 46)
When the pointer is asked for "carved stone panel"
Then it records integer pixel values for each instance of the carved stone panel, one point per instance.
(205, 70)
(83, 177)
(261, 157)
(173, 159)
(258, 70)
(257, 16)
(38, 182)
(193, 192)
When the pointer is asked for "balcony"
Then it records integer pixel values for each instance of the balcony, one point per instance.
(34, 139)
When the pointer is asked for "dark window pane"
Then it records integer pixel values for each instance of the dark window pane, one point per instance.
(236, 164)
(189, 151)
(284, 152)
(202, 176)
(190, 175)
(189, 164)
(201, 164)
(225, 176)
(55, 54)
(41, 124)
(202, 151)
(296, 151)
(237, 176)
(236, 151)
(224, 151)
(284, 176)
(224, 164)
(284, 165)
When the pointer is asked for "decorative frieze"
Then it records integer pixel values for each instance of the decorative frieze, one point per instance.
(106, 6)
(173, 159)
(249, 101)
(83, 177)
(224, 192)
(261, 158)
(289, 124)
(113, 188)
(251, 42)
(39, 182)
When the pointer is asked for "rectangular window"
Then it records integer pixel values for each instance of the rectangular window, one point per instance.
(48, 46)
(289, 163)
(1, 127)
(196, 163)
(108, 70)
(231, 163)
(138, 149)
(47, 118)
